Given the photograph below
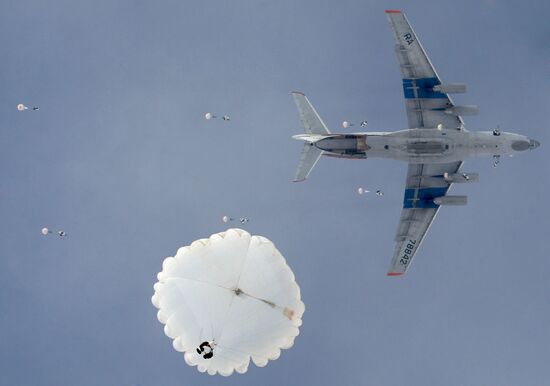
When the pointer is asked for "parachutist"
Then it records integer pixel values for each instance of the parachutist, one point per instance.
(496, 160)
(242, 220)
(466, 177)
(35, 108)
(496, 132)
(364, 124)
(226, 118)
(379, 193)
(62, 233)
(206, 350)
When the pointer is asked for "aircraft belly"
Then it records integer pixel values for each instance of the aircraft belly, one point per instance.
(420, 146)
(344, 146)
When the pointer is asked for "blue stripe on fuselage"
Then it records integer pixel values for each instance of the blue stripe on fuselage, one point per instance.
(424, 88)
(424, 199)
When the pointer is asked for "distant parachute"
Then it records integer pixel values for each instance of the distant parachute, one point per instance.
(209, 116)
(22, 107)
(45, 231)
(228, 299)
(242, 220)
(362, 191)
(346, 124)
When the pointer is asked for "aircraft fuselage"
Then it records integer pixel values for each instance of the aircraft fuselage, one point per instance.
(420, 145)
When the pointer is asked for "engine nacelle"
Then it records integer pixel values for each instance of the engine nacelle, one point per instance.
(451, 88)
(460, 178)
(463, 110)
(451, 200)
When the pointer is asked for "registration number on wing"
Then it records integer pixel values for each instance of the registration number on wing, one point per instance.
(408, 252)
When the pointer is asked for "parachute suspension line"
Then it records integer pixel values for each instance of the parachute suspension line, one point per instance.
(269, 303)
(200, 281)
(236, 292)
(288, 312)
(226, 316)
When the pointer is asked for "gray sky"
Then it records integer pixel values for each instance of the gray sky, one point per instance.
(121, 158)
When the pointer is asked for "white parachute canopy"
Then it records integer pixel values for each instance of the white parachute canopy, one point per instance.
(346, 124)
(362, 190)
(45, 231)
(208, 116)
(228, 299)
(22, 107)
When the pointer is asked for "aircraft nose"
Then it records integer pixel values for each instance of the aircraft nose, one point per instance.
(534, 144)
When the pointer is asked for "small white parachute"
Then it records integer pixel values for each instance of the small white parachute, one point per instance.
(228, 299)
(45, 231)
(362, 191)
(208, 116)
(346, 124)
(22, 107)
(242, 220)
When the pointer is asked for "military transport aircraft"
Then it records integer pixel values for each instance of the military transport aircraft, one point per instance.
(434, 145)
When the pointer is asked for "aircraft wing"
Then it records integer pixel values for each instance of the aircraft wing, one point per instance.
(426, 107)
(424, 182)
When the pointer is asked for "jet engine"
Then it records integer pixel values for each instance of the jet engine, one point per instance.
(451, 200)
(461, 177)
(451, 88)
(463, 110)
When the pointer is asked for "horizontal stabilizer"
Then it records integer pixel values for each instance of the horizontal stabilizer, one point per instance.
(310, 119)
(310, 156)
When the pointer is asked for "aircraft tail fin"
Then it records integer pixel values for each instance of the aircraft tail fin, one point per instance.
(310, 119)
(310, 156)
